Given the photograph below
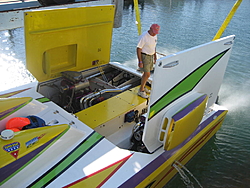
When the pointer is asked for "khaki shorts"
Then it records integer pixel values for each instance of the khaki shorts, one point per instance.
(148, 62)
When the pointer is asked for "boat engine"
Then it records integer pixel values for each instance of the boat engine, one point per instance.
(136, 139)
(72, 87)
(76, 91)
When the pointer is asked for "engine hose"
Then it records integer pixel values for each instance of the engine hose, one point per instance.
(85, 101)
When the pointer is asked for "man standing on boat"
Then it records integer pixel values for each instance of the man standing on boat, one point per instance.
(146, 54)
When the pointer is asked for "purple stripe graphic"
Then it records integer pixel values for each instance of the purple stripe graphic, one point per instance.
(11, 168)
(189, 108)
(156, 163)
(6, 112)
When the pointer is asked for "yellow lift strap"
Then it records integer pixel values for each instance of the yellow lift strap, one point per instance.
(138, 19)
(227, 20)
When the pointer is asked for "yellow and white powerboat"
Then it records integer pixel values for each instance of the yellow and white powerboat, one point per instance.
(83, 124)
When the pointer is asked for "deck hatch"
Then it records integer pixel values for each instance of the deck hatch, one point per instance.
(67, 39)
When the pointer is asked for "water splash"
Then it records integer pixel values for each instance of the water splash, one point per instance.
(13, 72)
(235, 98)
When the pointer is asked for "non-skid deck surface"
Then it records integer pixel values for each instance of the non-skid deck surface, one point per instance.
(110, 108)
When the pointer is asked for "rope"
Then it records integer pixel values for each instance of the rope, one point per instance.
(161, 54)
(102, 72)
(184, 176)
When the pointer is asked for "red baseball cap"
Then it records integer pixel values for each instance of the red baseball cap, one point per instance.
(155, 28)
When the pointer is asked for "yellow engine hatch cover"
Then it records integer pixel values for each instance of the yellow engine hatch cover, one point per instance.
(67, 39)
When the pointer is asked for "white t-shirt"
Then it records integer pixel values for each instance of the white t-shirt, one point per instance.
(147, 43)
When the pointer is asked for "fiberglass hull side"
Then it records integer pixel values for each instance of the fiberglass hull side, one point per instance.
(160, 171)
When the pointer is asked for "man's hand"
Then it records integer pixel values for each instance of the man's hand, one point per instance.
(140, 64)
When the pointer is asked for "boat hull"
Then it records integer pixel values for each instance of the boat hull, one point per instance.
(161, 175)
(113, 138)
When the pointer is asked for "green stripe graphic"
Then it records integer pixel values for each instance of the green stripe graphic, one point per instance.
(26, 164)
(42, 100)
(14, 109)
(68, 161)
(184, 86)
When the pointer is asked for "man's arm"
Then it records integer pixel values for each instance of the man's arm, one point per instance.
(155, 57)
(138, 50)
(139, 54)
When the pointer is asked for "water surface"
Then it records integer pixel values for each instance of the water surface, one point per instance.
(224, 161)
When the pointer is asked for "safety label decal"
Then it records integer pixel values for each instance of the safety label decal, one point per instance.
(33, 141)
(12, 148)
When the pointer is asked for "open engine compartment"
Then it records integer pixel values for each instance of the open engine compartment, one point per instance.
(79, 92)
(76, 91)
